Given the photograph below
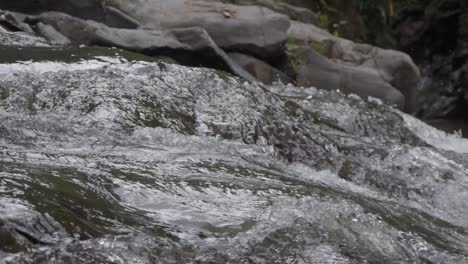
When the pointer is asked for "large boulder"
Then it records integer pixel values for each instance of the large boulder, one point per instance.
(261, 70)
(248, 29)
(190, 46)
(318, 71)
(52, 35)
(393, 68)
(13, 22)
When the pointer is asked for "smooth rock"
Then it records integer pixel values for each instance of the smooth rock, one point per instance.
(296, 13)
(320, 72)
(393, 67)
(52, 35)
(247, 29)
(13, 22)
(261, 70)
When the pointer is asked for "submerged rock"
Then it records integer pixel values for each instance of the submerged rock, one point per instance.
(104, 161)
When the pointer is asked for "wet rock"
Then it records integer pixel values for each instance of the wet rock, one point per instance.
(262, 71)
(189, 46)
(130, 158)
(9, 239)
(395, 69)
(22, 39)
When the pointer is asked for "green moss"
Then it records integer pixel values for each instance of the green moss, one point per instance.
(346, 170)
(317, 46)
(225, 76)
(324, 20)
(149, 113)
(231, 230)
(68, 54)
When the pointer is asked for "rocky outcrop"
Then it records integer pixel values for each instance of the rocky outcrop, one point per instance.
(13, 22)
(95, 10)
(390, 68)
(190, 46)
(248, 29)
(15, 33)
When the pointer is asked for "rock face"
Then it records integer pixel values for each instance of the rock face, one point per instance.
(190, 46)
(386, 69)
(262, 71)
(248, 29)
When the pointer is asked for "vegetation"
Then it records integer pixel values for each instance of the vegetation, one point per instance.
(372, 20)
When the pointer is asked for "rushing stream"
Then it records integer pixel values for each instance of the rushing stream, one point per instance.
(105, 160)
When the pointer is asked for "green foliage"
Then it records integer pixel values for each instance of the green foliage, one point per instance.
(317, 46)
(324, 20)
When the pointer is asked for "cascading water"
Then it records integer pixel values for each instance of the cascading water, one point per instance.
(104, 160)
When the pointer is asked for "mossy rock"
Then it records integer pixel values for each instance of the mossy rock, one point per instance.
(70, 54)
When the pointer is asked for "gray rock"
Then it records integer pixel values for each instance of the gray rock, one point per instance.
(394, 68)
(320, 72)
(116, 18)
(252, 29)
(13, 22)
(259, 69)
(297, 13)
(52, 35)
(190, 46)
(96, 10)
(247, 29)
